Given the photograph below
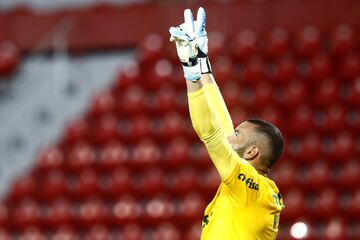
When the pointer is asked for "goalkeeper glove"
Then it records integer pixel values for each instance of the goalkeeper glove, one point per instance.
(192, 45)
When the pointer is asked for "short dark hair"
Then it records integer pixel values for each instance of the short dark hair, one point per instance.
(274, 139)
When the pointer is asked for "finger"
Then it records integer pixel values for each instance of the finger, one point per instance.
(189, 20)
(200, 21)
(178, 33)
(172, 39)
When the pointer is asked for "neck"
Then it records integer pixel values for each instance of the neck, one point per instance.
(262, 171)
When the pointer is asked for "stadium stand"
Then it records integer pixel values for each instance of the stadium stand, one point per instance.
(131, 167)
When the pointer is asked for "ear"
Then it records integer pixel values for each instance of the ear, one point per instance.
(251, 153)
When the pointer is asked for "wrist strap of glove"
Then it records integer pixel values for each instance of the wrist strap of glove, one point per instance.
(195, 67)
(192, 70)
(205, 65)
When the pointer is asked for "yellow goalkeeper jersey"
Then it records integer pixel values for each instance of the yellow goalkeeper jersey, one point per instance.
(247, 204)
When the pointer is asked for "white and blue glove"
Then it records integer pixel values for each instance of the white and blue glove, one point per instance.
(192, 45)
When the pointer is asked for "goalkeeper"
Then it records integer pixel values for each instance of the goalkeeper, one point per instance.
(247, 204)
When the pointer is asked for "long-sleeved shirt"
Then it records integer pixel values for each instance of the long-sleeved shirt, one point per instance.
(247, 204)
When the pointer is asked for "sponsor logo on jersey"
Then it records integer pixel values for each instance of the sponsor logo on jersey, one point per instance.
(206, 220)
(248, 181)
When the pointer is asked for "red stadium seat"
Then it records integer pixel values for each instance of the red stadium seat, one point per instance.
(176, 153)
(285, 176)
(102, 103)
(52, 186)
(166, 231)
(342, 39)
(125, 210)
(335, 228)
(354, 208)
(310, 148)
(76, 131)
(194, 232)
(64, 233)
(350, 67)
(162, 100)
(25, 215)
(354, 93)
(159, 74)
(199, 156)
(84, 185)
(295, 94)
(151, 49)
(278, 42)
(224, 68)
(320, 67)
(169, 126)
(118, 182)
(284, 70)
(4, 235)
(294, 205)
(50, 159)
(191, 209)
(133, 232)
(113, 155)
(273, 115)
(349, 172)
(140, 128)
(181, 182)
(33, 234)
(105, 130)
(129, 75)
(327, 92)
(259, 97)
(217, 44)
(158, 210)
(326, 204)
(253, 71)
(230, 92)
(308, 41)
(149, 182)
(59, 213)
(245, 44)
(330, 120)
(92, 212)
(98, 232)
(300, 120)
(145, 154)
(80, 156)
(344, 147)
(317, 176)
(208, 182)
(23, 187)
(131, 102)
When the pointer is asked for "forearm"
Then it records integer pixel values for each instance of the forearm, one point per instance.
(203, 118)
(217, 103)
(209, 129)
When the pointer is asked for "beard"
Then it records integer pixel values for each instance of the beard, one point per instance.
(241, 150)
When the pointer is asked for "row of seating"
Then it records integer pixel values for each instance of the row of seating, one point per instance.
(133, 156)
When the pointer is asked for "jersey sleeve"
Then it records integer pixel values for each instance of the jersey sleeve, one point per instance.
(244, 182)
(208, 127)
(218, 104)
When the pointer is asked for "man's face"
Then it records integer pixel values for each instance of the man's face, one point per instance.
(243, 137)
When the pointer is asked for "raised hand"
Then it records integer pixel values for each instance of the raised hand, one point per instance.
(192, 44)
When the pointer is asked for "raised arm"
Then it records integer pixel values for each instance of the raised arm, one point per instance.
(208, 127)
(217, 103)
(209, 115)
